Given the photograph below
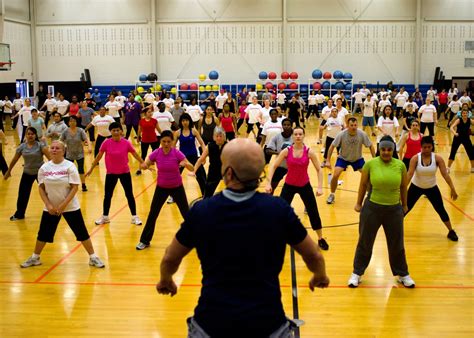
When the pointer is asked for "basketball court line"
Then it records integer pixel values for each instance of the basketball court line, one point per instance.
(97, 229)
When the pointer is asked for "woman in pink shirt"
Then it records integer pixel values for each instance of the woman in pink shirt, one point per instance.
(116, 151)
(168, 161)
(297, 158)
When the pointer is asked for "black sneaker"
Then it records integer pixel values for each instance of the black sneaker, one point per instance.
(452, 235)
(15, 218)
(323, 244)
(84, 187)
(138, 173)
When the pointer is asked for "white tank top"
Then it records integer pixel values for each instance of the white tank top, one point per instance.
(425, 176)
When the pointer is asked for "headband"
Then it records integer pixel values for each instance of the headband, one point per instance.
(386, 144)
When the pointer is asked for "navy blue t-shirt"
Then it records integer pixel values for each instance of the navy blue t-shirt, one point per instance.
(241, 246)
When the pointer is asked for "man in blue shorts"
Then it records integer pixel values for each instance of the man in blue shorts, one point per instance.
(350, 142)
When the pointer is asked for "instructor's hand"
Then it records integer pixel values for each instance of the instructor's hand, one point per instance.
(318, 282)
(167, 288)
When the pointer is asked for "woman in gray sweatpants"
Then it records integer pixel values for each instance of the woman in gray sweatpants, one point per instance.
(385, 205)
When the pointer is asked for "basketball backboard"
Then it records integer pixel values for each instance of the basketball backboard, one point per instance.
(5, 60)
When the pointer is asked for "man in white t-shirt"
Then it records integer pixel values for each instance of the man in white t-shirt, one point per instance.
(358, 97)
(113, 107)
(325, 113)
(368, 120)
(465, 99)
(254, 115)
(281, 99)
(220, 100)
(50, 105)
(270, 129)
(168, 101)
(164, 117)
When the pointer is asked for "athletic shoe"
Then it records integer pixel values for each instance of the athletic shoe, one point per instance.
(96, 262)
(102, 220)
(407, 281)
(322, 151)
(331, 199)
(323, 244)
(138, 173)
(354, 281)
(15, 218)
(84, 187)
(136, 220)
(141, 246)
(452, 235)
(170, 200)
(31, 262)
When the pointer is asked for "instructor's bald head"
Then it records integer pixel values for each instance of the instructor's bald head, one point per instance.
(246, 159)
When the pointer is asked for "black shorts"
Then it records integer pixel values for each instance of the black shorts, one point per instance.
(49, 224)
(278, 175)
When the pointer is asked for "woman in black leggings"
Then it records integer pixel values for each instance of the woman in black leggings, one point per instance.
(422, 174)
(213, 150)
(460, 129)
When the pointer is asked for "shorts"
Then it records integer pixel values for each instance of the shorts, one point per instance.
(279, 173)
(368, 121)
(49, 224)
(341, 163)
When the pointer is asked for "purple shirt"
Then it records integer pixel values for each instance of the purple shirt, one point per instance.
(116, 155)
(168, 167)
(132, 113)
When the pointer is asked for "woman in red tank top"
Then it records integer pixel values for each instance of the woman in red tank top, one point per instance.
(297, 158)
(412, 141)
(228, 122)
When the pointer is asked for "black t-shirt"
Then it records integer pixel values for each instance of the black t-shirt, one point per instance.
(241, 246)
(41, 98)
(293, 108)
(409, 118)
(90, 102)
(215, 163)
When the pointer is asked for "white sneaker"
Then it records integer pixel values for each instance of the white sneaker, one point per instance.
(31, 262)
(102, 220)
(96, 262)
(170, 200)
(141, 246)
(407, 281)
(354, 281)
(136, 220)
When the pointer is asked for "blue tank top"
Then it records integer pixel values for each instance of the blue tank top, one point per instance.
(187, 144)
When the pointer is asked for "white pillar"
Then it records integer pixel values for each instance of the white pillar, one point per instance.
(418, 43)
(34, 58)
(284, 35)
(153, 37)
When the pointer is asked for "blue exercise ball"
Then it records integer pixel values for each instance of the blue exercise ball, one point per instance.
(317, 74)
(213, 75)
(303, 88)
(347, 77)
(338, 75)
(142, 77)
(203, 107)
(202, 96)
(262, 75)
(184, 96)
(326, 85)
(339, 85)
(166, 87)
(348, 86)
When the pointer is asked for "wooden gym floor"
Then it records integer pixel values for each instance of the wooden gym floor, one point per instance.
(65, 297)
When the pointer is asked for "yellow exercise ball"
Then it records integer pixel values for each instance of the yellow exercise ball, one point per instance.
(215, 87)
(173, 90)
(140, 89)
(202, 77)
(158, 87)
(208, 88)
(259, 86)
(202, 88)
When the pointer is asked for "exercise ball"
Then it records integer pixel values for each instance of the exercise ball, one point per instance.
(166, 87)
(293, 75)
(140, 89)
(338, 74)
(202, 96)
(348, 86)
(184, 96)
(285, 75)
(259, 86)
(327, 75)
(215, 87)
(193, 86)
(262, 75)
(317, 74)
(202, 77)
(348, 97)
(152, 77)
(339, 85)
(269, 85)
(208, 88)
(142, 77)
(326, 85)
(213, 75)
(293, 85)
(281, 86)
(184, 86)
(303, 88)
(173, 90)
(347, 77)
(158, 87)
(203, 107)
(316, 86)
(272, 75)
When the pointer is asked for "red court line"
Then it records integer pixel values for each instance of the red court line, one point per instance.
(97, 229)
(458, 208)
(302, 286)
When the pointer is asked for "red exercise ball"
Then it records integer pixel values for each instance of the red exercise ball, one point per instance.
(293, 75)
(184, 86)
(269, 85)
(272, 75)
(327, 75)
(293, 85)
(285, 75)
(316, 86)
(193, 86)
(281, 86)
